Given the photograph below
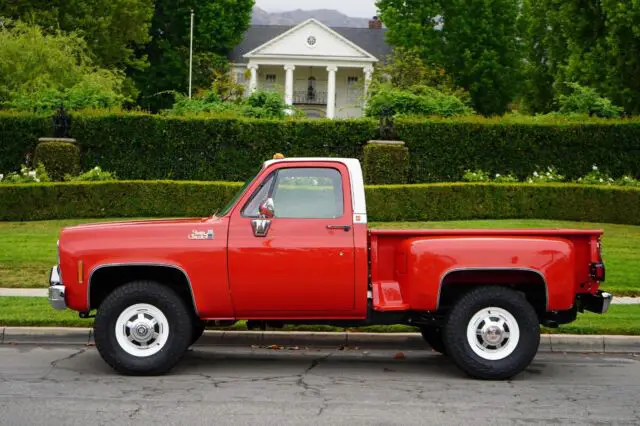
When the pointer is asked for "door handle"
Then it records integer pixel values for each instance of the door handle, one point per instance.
(346, 228)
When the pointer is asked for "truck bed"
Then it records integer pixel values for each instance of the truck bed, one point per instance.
(484, 232)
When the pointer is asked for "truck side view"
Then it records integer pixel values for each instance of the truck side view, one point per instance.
(293, 247)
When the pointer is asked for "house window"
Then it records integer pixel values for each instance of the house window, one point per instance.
(270, 82)
(353, 90)
(311, 89)
(240, 77)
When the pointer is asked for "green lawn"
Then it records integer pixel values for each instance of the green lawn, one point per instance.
(35, 311)
(28, 249)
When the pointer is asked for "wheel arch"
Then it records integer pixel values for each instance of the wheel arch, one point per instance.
(105, 278)
(458, 281)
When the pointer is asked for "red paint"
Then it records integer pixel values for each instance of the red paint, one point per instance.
(304, 270)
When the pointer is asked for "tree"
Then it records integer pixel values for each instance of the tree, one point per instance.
(593, 42)
(219, 27)
(39, 71)
(112, 29)
(476, 42)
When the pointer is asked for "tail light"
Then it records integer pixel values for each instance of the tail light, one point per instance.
(597, 268)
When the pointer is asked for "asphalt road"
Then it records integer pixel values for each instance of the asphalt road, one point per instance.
(72, 386)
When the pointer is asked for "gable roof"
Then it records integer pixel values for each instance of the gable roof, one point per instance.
(371, 40)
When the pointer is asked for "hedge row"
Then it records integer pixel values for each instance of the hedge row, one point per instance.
(385, 203)
(143, 146)
(441, 150)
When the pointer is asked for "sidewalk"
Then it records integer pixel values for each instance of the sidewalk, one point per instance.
(42, 292)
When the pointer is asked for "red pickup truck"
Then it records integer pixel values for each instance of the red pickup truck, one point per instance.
(293, 247)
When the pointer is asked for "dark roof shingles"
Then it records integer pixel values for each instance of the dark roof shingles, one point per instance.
(371, 40)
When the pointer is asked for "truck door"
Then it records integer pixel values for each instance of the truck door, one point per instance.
(301, 261)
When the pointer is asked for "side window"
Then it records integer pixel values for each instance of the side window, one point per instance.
(259, 195)
(308, 193)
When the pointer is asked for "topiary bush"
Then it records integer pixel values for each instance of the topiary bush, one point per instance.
(432, 202)
(385, 163)
(59, 158)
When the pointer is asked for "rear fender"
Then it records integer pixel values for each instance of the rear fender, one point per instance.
(432, 262)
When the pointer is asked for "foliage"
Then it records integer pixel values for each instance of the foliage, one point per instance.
(585, 100)
(59, 158)
(595, 43)
(142, 146)
(550, 175)
(261, 104)
(628, 181)
(19, 133)
(476, 176)
(26, 175)
(264, 104)
(39, 71)
(218, 28)
(419, 100)
(596, 177)
(432, 202)
(113, 29)
(385, 164)
(442, 150)
(93, 175)
(477, 43)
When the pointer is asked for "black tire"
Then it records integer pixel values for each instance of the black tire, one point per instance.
(198, 330)
(460, 349)
(180, 328)
(433, 336)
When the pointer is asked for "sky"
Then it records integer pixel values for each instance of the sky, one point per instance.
(355, 8)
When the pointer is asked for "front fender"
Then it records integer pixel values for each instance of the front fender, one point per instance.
(430, 260)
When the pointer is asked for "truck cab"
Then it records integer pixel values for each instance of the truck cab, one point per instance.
(293, 247)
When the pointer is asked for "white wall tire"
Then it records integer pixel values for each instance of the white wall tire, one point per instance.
(492, 333)
(143, 328)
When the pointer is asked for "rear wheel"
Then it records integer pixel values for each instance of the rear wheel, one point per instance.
(492, 333)
(143, 328)
(433, 336)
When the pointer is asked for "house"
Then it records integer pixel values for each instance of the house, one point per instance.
(323, 71)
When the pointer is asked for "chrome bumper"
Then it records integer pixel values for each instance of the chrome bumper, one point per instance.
(598, 303)
(56, 290)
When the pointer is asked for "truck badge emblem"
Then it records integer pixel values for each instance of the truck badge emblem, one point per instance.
(202, 235)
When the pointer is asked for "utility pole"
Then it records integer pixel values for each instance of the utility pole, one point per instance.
(191, 55)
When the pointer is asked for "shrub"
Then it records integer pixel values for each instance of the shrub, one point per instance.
(59, 158)
(585, 100)
(550, 175)
(422, 100)
(442, 150)
(94, 175)
(141, 146)
(26, 175)
(434, 202)
(19, 135)
(385, 163)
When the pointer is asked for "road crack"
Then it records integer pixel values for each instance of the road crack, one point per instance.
(302, 383)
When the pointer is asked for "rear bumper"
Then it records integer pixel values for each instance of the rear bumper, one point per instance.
(56, 290)
(598, 303)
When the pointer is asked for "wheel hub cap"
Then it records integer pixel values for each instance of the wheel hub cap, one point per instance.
(493, 333)
(142, 330)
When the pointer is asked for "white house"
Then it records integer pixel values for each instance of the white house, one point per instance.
(323, 71)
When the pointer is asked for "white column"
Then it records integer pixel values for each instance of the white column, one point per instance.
(331, 92)
(253, 82)
(368, 73)
(288, 84)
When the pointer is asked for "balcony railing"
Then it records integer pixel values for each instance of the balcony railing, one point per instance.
(304, 97)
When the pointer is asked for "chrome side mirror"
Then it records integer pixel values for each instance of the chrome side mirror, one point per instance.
(267, 209)
(266, 212)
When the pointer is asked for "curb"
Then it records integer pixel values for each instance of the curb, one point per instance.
(559, 343)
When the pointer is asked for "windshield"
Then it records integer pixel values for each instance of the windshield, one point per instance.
(235, 198)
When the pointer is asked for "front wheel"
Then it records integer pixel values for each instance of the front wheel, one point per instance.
(143, 328)
(492, 333)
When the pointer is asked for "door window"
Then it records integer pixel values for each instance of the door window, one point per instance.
(300, 193)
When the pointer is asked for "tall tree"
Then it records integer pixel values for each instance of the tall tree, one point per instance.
(476, 41)
(112, 29)
(219, 27)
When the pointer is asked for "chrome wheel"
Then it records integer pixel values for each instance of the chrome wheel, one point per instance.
(493, 333)
(142, 330)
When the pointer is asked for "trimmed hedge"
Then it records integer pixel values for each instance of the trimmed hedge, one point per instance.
(19, 135)
(58, 158)
(441, 150)
(385, 164)
(140, 146)
(436, 202)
